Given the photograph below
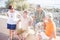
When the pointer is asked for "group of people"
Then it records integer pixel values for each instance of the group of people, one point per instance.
(40, 24)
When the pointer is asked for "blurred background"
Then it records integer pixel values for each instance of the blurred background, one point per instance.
(52, 6)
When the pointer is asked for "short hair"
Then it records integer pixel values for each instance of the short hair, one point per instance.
(25, 12)
(38, 6)
(50, 15)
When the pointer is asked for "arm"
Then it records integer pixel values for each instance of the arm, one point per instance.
(17, 25)
(7, 14)
(30, 23)
(44, 23)
(19, 18)
(18, 21)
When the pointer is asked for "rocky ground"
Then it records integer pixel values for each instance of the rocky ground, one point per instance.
(4, 32)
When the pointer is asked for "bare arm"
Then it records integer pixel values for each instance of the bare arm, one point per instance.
(7, 14)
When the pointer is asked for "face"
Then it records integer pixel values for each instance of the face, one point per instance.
(12, 9)
(39, 9)
(48, 17)
(25, 14)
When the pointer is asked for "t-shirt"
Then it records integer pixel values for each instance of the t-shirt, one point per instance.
(24, 22)
(39, 16)
(50, 28)
(12, 17)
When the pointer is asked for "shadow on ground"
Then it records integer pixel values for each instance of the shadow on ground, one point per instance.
(5, 37)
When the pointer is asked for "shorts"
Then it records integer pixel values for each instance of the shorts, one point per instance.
(11, 26)
(20, 31)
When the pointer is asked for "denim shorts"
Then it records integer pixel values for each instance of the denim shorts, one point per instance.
(11, 26)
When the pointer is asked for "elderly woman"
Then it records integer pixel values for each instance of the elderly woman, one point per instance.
(50, 28)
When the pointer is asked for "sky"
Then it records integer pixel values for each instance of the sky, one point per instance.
(46, 3)
(43, 3)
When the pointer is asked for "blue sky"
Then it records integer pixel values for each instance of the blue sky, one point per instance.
(55, 3)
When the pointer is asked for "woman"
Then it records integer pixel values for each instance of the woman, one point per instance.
(50, 28)
(12, 20)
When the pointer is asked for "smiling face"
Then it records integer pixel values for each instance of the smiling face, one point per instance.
(25, 13)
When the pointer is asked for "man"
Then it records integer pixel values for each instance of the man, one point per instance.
(24, 24)
(39, 14)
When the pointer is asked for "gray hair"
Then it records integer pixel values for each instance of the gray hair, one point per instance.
(50, 15)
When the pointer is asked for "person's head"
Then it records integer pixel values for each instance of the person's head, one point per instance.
(38, 8)
(25, 13)
(49, 16)
(11, 7)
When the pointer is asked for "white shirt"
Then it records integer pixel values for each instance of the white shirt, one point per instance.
(12, 17)
(24, 22)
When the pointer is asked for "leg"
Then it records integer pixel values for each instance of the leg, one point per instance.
(18, 36)
(11, 34)
(39, 37)
(24, 36)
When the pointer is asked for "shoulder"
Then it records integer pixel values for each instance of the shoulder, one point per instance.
(44, 11)
(8, 11)
(16, 11)
(30, 18)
